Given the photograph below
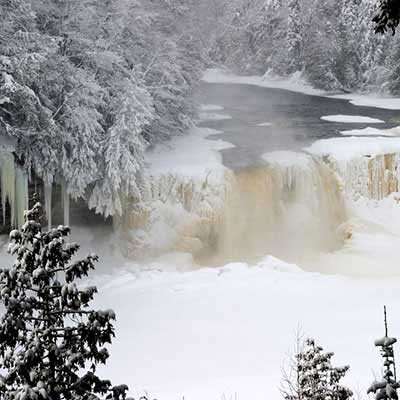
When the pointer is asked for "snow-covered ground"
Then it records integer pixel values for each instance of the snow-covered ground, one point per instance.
(225, 332)
(296, 83)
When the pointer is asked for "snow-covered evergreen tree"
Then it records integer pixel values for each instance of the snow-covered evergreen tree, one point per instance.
(386, 389)
(294, 36)
(373, 48)
(348, 59)
(48, 332)
(393, 83)
(320, 51)
(123, 151)
(315, 377)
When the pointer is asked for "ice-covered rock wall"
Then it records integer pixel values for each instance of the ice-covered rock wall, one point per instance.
(177, 213)
(368, 166)
(371, 176)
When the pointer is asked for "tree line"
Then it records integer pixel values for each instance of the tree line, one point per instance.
(87, 86)
(333, 44)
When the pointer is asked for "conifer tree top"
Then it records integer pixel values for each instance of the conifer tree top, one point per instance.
(51, 341)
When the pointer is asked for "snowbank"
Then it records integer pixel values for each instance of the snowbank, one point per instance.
(371, 100)
(343, 149)
(349, 119)
(369, 132)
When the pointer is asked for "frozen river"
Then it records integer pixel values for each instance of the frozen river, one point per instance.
(266, 119)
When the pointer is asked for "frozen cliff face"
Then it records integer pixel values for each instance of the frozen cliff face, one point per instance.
(370, 176)
(177, 213)
(368, 167)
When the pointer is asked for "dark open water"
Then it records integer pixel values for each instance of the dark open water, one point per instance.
(295, 119)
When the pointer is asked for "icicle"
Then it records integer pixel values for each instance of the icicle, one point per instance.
(21, 196)
(65, 202)
(7, 173)
(47, 203)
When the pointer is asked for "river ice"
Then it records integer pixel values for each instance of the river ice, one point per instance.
(351, 119)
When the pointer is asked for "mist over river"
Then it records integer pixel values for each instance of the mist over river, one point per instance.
(268, 119)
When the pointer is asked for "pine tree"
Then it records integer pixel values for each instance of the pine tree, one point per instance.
(48, 332)
(320, 53)
(373, 49)
(386, 389)
(315, 377)
(123, 151)
(294, 36)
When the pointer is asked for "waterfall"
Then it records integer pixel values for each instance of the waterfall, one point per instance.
(285, 209)
(280, 209)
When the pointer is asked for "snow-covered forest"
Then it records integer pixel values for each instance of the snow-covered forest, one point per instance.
(86, 87)
(331, 42)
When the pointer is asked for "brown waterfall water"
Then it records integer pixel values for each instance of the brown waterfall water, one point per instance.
(286, 211)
